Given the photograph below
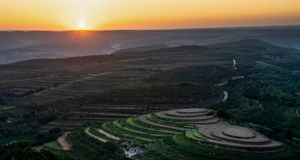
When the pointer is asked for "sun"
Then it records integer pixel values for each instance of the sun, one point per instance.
(81, 24)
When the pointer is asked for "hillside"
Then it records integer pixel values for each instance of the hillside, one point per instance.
(74, 93)
(81, 75)
(144, 48)
(17, 46)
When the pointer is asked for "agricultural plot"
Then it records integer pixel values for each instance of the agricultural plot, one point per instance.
(133, 99)
(181, 146)
(44, 80)
(108, 135)
(91, 83)
(97, 113)
(86, 130)
(217, 140)
(89, 147)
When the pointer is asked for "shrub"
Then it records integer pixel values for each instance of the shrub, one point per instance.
(65, 116)
(210, 113)
(42, 136)
(224, 114)
(23, 143)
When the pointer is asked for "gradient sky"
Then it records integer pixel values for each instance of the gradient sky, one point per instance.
(145, 14)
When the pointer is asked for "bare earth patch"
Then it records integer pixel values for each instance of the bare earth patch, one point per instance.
(65, 145)
(38, 148)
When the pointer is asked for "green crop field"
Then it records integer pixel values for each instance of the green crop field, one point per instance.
(53, 145)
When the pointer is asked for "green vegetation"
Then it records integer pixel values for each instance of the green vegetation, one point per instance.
(171, 122)
(29, 153)
(154, 154)
(132, 121)
(28, 123)
(20, 138)
(194, 134)
(264, 101)
(193, 74)
(115, 129)
(94, 131)
(53, 145)
(267, 99)
(91, 148)
(180, 143)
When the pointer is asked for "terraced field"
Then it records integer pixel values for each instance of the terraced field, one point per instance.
(124, 102)
(87, 84)
(89, 146)
(44, 80)
(194, 133)
(97, 113)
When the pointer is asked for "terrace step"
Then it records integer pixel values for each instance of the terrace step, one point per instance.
(133, 124)
(186, 119)
(144, 119)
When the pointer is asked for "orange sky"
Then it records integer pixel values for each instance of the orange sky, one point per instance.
(145, 14)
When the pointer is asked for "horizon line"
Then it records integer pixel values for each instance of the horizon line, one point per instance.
(153, 29)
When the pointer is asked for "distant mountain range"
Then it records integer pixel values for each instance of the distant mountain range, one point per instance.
(23, 45)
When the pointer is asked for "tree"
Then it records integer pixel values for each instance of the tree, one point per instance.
(65, 116)
(24, 144)
(41, 136)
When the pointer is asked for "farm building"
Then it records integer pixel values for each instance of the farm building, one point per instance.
(135, 149)
(125, 144)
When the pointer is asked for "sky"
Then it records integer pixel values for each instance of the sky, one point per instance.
(145, 14)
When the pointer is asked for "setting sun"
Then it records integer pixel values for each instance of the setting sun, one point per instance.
(81, 24)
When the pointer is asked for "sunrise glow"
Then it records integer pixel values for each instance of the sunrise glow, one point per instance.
(81, 24)
(137, 14)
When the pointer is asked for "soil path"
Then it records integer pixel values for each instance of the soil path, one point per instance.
(108, 135)
(86, 130)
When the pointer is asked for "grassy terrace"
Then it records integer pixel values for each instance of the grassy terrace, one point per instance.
(128, 127)
(181, 143)
(184, 145)
(121, 124)
(159, 150)
(95, 132)
(134, 123)
(194, 134)
(144, 120)
(116, 131)
(197, 134)
(131, 128)
(90, 148)
(155, 118)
